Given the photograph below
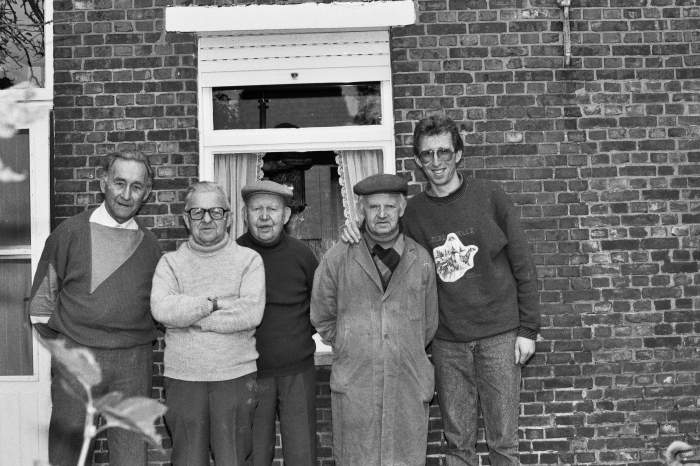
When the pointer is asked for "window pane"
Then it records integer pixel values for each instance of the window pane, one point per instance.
(16, 341)
(297, 106)
(15, 211)
(21, 42)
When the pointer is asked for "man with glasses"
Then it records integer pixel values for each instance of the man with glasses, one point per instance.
(210, 295)
(487, 293)
(286, 370)
(94, 280)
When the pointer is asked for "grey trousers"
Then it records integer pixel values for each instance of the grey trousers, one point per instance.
(211, 415)
(293, 399)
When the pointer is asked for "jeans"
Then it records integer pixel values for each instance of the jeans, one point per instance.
(293, 399)
(216, 415)
(127, 371)
(466, 373)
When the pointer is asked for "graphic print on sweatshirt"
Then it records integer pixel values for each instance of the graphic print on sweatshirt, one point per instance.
(453, 259)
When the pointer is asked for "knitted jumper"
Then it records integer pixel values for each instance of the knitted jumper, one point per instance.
(95, 282)
(284, 338)
(201, 345)
(487, 283)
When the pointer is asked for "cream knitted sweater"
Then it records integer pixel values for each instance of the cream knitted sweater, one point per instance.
(201, 345)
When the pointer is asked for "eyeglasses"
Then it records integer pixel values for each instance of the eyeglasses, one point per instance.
(216, 213)
(428, 156)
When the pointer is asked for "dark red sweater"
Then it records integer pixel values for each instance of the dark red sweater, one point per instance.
(284, 337)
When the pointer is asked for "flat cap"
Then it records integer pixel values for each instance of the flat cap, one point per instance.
(267, 187)
(381, 183)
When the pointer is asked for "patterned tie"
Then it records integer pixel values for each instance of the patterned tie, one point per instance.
(386, 261)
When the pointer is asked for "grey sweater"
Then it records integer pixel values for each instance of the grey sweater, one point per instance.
(203, 345)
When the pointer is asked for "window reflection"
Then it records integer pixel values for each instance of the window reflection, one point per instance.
(297, 106)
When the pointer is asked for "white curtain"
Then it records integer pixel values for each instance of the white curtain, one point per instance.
(232, 172)
(354, 166)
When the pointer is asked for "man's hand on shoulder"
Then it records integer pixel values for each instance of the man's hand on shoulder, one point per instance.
(350, 232)
(524, 348)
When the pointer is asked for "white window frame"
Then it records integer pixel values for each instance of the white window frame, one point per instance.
(312, 19)
(41, 104)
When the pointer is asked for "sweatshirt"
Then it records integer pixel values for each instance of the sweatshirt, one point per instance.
(201, 345)
(487, 282)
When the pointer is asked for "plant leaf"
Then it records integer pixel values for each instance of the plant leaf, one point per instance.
(137, 414)
(78, 361)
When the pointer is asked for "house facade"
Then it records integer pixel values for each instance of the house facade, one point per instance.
(601, 156)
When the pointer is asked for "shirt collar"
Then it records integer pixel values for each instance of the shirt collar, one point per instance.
(102, 217)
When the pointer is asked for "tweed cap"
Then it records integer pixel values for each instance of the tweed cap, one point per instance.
(381, 183)
(267, 187)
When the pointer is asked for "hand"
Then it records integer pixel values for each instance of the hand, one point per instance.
(350, 232)
(524, 348)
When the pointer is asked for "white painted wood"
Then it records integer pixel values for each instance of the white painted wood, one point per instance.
(304, 16)
(275, 39)
(10, 455)
(305, 75)
(25, 401)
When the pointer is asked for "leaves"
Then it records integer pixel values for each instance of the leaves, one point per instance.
(78, 361)
(137, 414)
(15, 110)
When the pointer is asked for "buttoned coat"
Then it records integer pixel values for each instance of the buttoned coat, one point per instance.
(381, 379)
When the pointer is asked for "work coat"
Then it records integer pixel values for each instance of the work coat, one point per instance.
(381, 380)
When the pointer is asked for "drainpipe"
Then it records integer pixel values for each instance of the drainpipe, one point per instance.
(567, 30)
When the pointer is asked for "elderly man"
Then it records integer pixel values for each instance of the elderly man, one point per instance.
(286, 370)
(487, 287)
(210, 295)
(94, 279)
(376, 303)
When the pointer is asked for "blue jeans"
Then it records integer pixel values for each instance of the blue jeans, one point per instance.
(466, 373)
(127, 371)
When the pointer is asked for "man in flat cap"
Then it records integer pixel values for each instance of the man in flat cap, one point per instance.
(487, 287)
(375, 302)
(286, 370)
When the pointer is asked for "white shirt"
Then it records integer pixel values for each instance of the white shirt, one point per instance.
(102, 217)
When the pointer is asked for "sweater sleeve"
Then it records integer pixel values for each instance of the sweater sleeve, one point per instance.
(45, 286)
(522, 266)
(169, 305)
(431, 299)
(244, 312)
(324, 303)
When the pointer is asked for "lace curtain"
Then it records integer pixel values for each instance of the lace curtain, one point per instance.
(354, 166)
(233, 171)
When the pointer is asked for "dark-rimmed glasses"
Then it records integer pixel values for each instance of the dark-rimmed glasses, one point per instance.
(216, 213)
(428, 156)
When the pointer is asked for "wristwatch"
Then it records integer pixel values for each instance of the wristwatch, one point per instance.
(215, 301)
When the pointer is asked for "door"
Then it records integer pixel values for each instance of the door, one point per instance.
(25, 404)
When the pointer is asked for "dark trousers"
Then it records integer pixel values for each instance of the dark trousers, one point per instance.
(127, 371)
(216, 415)
(466, 373)
(293, 399)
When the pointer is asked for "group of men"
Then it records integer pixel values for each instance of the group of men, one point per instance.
(451, 266)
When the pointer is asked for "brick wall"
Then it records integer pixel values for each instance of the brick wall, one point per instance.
(601, 158)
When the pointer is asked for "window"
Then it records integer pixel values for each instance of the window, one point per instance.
(318, 104)
(297, 106)
(24, 225)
